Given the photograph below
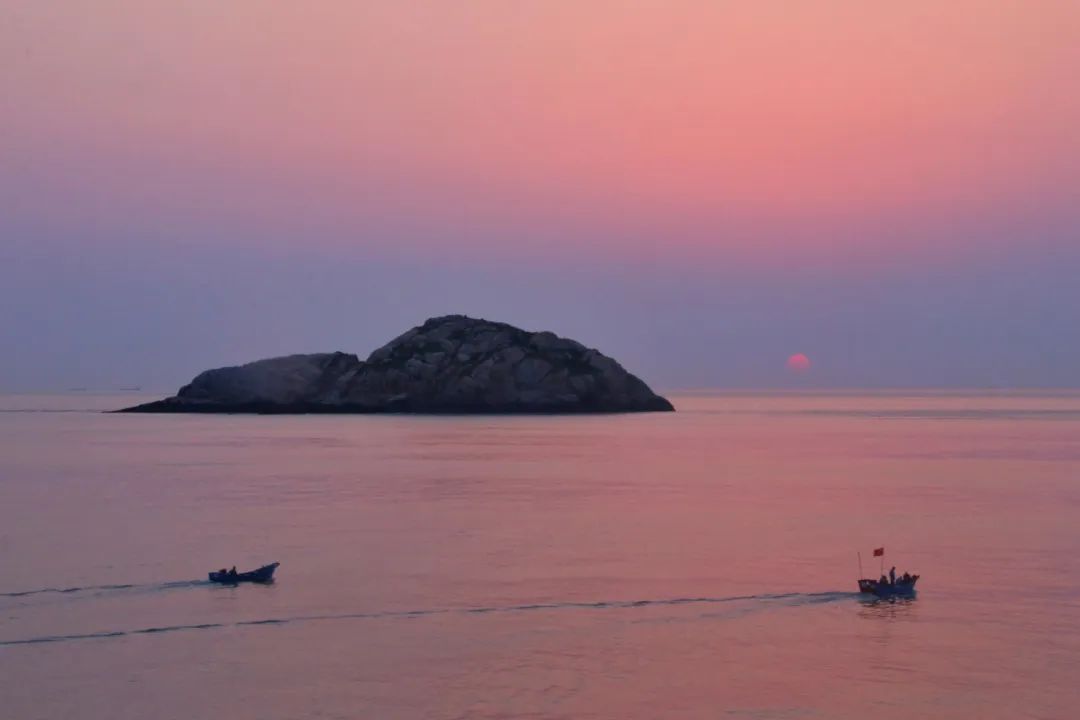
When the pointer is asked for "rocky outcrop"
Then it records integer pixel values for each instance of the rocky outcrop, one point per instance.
(451, 364)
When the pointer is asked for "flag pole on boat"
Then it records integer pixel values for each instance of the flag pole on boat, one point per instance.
(859, 553)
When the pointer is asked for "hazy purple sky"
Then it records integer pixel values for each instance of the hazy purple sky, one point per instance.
(698, 189)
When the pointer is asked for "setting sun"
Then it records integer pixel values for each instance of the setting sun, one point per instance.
(798, 363)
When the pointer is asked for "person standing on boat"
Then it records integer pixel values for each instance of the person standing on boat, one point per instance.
(892, 575)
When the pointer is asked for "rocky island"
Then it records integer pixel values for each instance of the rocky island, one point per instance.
(452, 364)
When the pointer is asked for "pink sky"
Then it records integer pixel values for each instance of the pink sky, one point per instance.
(850, 134)
(607, 112)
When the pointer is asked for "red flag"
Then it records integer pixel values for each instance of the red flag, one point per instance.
(879, 552)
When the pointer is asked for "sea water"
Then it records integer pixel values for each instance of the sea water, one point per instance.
(700, 564)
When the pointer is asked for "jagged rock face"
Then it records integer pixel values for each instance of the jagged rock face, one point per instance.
(448, 364)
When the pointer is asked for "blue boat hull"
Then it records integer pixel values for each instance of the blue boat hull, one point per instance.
(265, 574)
(898, 589)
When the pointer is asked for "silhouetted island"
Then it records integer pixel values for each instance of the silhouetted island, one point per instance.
(452, 364)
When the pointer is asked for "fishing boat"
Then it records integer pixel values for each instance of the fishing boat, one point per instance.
(901, 588)
(265, 574)
(886, 586)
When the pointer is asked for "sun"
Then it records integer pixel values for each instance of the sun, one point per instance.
(798, 363)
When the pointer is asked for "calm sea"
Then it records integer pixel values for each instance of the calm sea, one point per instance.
(690, 565)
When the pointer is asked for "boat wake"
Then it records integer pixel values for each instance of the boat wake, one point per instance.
(103, 588)
(781, 599)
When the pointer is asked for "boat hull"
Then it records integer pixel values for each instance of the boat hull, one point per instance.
(265, 574)
(898, 589)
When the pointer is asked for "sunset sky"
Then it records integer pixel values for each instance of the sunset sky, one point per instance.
(700, 189)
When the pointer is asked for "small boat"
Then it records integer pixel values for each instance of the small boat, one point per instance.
(900, 588)
(891, 586)
(265, 574)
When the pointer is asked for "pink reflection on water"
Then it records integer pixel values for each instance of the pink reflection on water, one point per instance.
(700, 564)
